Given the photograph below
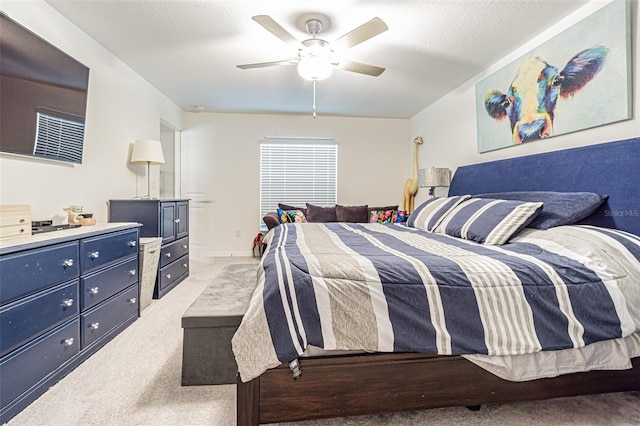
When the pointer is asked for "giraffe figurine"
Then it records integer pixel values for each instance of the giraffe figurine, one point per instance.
(411, 185)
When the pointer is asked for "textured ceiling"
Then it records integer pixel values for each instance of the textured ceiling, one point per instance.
(189, 49)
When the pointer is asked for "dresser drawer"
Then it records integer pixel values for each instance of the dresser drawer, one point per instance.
(22, 369)
(173, 251)
(105, 283)
(27, 272)
(28, 318)
(15, 231)
(174, 271)
(98, 321)
(107, 249)
(11, 215)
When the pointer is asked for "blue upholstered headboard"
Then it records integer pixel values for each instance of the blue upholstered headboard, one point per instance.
(609, 168)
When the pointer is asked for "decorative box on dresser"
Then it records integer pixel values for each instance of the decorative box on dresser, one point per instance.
(165, 218)
(63, 295)
(15, 221)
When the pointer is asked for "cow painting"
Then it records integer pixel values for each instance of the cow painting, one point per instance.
(531, 100)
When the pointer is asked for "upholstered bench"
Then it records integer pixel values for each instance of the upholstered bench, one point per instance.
(210, 323)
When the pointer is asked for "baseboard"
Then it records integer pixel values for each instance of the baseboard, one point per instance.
(223, 254)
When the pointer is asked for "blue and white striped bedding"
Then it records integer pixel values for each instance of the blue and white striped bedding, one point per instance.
(392, 288)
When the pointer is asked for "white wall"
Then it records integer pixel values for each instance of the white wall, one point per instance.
(374, 154)
(372, 159)
(122, 107)
(449, 125)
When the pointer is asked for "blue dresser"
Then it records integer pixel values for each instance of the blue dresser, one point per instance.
(165, 218)
(63, 295)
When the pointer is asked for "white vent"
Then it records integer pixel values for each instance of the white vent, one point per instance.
(58, 138)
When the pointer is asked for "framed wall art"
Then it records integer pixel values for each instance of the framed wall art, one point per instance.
(579, 79)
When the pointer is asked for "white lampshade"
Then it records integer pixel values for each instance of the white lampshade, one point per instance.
(147, 151)
(434, 177)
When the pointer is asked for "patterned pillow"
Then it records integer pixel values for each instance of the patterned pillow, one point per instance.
(381, 216)
(399, 216)
(288, 207)
(291, 216)
(488, 221)
(428, 215)
(371, 209)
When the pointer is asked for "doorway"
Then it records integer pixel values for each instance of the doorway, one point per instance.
(169, 171)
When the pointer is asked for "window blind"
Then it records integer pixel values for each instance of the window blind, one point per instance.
(297, 173)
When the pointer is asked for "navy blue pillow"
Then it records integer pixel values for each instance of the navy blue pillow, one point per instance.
(560, 208)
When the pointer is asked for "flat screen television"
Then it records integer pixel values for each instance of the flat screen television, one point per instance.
(43, 97)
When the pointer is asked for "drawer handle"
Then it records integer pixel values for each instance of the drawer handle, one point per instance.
(67, 303)
(177, 220)
(93, 290)
(68, 342)
(67, 263)
(185, 265)
(22, 230)
(94, 255)
(168, 276)
(184, 246)
(167, 255)
(132, 244)
(133, 300)
(23, 220)
(132, 272)
(95, 326)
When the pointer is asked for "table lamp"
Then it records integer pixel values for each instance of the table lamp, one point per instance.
(434, 177)
(147, 151)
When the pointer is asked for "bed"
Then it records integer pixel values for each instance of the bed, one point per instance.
(394, 365)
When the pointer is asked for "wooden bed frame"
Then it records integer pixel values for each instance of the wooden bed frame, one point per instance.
(339, 386)
(382, 383)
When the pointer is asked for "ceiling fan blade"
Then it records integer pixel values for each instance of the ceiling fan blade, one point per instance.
(268, 64)
(363, 33)
(274, 28)
(360, 68)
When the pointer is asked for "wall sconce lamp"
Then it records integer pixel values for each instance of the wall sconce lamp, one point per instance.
(146, 151)
(434, 177)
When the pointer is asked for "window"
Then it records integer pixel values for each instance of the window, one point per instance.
(296, 172)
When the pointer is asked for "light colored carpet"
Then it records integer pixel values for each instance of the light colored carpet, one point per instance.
(135, 380)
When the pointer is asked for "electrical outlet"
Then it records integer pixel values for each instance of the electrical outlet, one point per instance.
(238, 233)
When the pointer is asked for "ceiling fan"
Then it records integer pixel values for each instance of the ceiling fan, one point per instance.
(316, 58)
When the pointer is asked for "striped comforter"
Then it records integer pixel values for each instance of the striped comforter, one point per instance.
(392, 288)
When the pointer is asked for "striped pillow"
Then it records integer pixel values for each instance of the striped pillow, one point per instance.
(428, 215)
(488, 221)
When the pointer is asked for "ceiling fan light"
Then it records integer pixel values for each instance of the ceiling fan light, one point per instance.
(315, 68)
